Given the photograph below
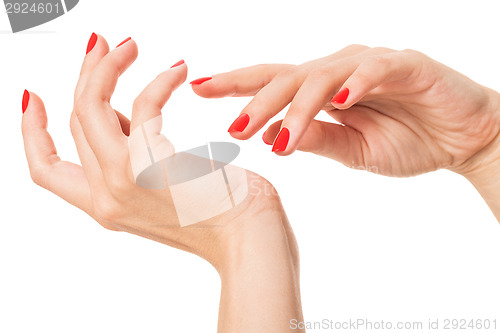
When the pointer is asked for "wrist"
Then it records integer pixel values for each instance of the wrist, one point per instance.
(483, 168)
(260, 273)
(487, 160)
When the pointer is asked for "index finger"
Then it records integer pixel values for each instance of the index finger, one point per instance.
(238, 83)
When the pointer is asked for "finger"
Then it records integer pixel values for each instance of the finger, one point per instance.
(338, 142)
(87, 157)
(98, 119)
(146, 143)
(97, 48)
(65, 179)
(267, 103)
(314, 93)
(240, 82)
(373, 72)
(149, 103)
(105, 74)
(249, 80)
(275, 96)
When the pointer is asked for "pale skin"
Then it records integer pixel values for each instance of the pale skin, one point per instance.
(405, 114)
(252, 246)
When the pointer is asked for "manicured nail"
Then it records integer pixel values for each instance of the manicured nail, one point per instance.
(91, 43)
(26, 100)
(264, 139)
(200, 80)
(240, 123)
(341, 96)
(178, 63)
(281, 140)
(126, 40)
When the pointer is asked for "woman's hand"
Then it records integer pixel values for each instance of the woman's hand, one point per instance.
(398, 113)
(251, 245)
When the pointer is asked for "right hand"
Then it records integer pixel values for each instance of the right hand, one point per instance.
(404, 113)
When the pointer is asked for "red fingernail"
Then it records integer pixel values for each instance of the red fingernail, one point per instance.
(91, 43)
(200, 80)
(178, 63)
(240, 123)
(126, 40)
(341, 96)
(281, 140)
(26, 100)
(264, 139)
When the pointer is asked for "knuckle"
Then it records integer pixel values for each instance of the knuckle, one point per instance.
(140, 102)
(37, 175)
(106, 211)
(287, 74)
(411, 51)
(381, 50)
(81, 105)
(73, 124)
(414, 54)
(146, 101)
(318, 73)
(377, 60)
(118, 185)
(356, 47)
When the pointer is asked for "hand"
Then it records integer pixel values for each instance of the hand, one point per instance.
(253, 236)
(399, 113)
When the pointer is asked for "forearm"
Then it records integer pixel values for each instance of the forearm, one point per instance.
(260, 278)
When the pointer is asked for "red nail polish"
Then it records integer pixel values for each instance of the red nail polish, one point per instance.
(200, 80)
(26, 100)
(281, 140)
(92, 42)
(264, 139)
(178, 63)
(341, 96)
(126, 40)
(240, 123)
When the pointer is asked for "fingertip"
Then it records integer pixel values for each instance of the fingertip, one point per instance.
(266, 141)
(129, 47)
(34, 115)
(178, 68)
(272, 131)
(202, 86)
(340, 100)
(96, 46)
(240, 135)
(280, 144)
(124, 41)
(178, 63)
(200, 81)
(26, 99)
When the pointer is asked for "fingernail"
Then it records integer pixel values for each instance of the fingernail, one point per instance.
(200, 80)
(126, 40)
(240, 123)
(178, 63)
(341, 96)
(91, 43)
(26, 100)
(264, 139)
(281, 140)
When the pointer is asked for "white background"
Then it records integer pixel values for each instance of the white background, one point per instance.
(371, 247)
